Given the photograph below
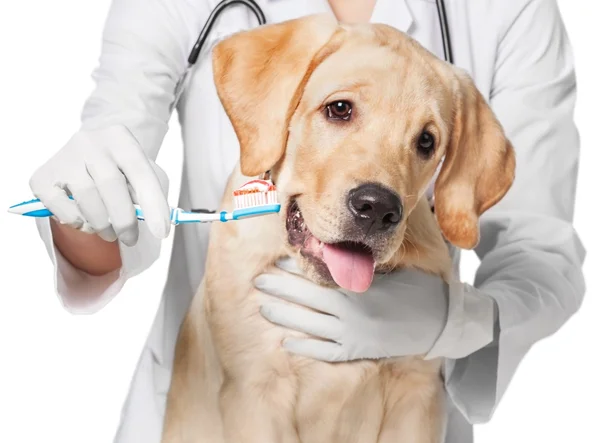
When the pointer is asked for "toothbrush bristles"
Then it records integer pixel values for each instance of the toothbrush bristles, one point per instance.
(255, 193)
(253, 199)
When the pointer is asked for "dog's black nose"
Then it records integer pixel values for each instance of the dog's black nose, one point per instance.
(374, 208)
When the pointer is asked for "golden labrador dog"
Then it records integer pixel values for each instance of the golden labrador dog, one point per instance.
(352, 121)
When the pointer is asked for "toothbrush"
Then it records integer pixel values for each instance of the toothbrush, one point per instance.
(255, 198)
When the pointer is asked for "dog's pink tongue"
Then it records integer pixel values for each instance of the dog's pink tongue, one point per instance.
(352, 270)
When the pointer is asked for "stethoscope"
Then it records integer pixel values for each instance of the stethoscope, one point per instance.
(260, 16)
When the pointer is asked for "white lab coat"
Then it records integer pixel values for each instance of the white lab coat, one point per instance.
(518, 54)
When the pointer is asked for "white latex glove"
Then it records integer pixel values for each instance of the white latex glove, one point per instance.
(106, 171)
(403, 313)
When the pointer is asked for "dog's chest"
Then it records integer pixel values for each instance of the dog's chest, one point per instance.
(329, 402)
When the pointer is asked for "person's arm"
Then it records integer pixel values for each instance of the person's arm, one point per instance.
(144, 54)
(88, 253)
(531, 256)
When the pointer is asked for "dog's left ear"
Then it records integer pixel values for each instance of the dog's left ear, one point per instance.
(478, 170)
(260, 76)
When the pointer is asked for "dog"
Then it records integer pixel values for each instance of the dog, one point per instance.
(352, 121)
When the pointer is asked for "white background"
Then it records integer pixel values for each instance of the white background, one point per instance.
(63, 377)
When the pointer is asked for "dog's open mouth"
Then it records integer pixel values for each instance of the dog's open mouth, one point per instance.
(350, 264)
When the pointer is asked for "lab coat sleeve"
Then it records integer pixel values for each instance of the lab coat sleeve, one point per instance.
(531, 256)
(144, 53)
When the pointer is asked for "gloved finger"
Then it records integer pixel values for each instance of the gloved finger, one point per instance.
(57, 201)
(302, 320)
(316, 349)
(301, 291)
(112, 188)
(120, 209)
(90, 203)
(162, 178)
(136, 167)
(289, 264)
(108, 234)
(133, 195)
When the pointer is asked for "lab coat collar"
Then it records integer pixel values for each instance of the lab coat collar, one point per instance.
(395, 13)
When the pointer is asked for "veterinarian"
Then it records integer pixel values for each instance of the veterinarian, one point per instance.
(530, 279)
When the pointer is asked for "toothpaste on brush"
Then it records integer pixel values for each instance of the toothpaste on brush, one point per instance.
(255, 193)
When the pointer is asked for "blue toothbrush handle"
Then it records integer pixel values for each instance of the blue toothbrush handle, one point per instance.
(40, 213)
(35, 208)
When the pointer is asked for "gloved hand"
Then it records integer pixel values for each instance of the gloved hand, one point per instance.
(106, 171)
(404, 313)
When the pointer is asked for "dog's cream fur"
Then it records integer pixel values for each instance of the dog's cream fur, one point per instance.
(232, 381)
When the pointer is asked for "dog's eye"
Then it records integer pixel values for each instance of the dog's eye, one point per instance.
(426, 143)
(339, 110)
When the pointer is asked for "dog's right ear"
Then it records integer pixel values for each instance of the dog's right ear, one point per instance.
(479, 167)
(260, 75)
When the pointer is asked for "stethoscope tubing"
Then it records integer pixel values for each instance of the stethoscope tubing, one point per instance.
(441, 9)
(214, 14)
(260, 16)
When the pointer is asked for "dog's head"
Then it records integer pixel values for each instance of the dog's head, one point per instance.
(353, 122)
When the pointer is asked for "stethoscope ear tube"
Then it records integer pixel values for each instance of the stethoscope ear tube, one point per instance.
(260, 16)
(445, 32)
(195, 52)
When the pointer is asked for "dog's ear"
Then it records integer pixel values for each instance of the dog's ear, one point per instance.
(478, 169)
(260, 75)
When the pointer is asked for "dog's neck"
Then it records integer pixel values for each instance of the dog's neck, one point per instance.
(248, 246)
